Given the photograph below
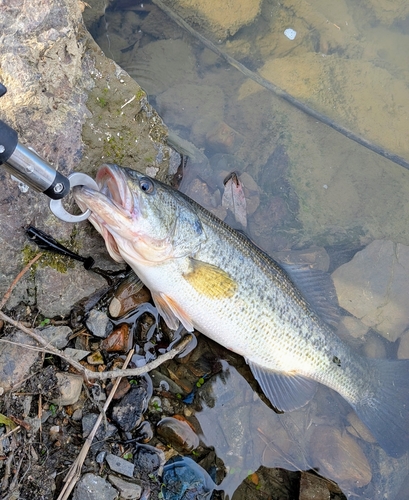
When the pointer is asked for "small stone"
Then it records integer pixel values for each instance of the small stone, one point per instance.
(92, 487)
(77, 415)
(100, 458)
(70, 386)
(340, 457)
(128, 412)
(123, 387)
(95, 358)
(120, 465)
(127, 490)
(120, 340)
(178, 434)
(99, 324)
(56, 335)
(148, 460)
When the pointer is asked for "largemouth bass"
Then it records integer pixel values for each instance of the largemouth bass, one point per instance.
(211, 278)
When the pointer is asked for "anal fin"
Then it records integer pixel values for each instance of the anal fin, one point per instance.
(286, 391)
(171, 312)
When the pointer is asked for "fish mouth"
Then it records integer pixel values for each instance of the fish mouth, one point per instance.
(114, 209)
(112, 183)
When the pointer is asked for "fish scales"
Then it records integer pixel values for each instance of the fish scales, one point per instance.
(213, 279)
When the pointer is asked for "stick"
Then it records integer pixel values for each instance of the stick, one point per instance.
(75, 471)
(88, 374)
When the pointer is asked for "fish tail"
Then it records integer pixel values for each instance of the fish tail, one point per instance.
(386, 411)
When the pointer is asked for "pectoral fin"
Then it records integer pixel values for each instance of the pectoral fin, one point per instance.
(171, 312)
(285, 391)
(210, 280)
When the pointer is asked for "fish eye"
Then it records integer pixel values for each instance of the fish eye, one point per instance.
(146, 185)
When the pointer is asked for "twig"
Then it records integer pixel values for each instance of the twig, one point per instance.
(75, 471)
(18, 278)
(88, 374)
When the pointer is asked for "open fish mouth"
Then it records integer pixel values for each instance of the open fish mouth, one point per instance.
(113, 184)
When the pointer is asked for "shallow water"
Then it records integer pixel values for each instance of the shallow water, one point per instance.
(305, 186)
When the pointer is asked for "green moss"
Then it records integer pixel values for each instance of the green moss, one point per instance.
(102, 102)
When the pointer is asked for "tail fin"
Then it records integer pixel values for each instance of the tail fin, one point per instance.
(386, 414)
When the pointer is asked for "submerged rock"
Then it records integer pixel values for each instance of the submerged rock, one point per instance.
(178, 434)
(374, 287)
(148, 460)
(184, 479)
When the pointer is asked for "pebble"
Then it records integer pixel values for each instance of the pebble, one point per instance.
(127, 490)
(339, 457)
(120, 465)
(70, 387)
(128, 412)
(120, 340)
(76, 354)
(56, 335)
(95, 358)
(98, 323)
(92, 487)
(148, 460)
(178, 434)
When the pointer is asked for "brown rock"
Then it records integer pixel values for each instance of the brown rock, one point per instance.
(223, 138)
(120, 340)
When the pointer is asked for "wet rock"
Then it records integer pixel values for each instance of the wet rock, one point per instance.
(92, 487)
(130, 293)
(56, 335)
(128, 412)
(374, 347)
(127, 490)
(220, 18)
(148, 460)
(374, 287)
(159, 379)
(70, 387)
(178, 434)
(120, 465)
(314, 257)
(352, 327)
(184, 478)
(16, 361)
(123, 387)
(313, 487)
(98, 323)
(223, 139)
(339, 457)
(359, 429)
(120, 340)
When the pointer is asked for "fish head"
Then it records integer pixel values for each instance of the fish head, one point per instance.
(141, 219)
